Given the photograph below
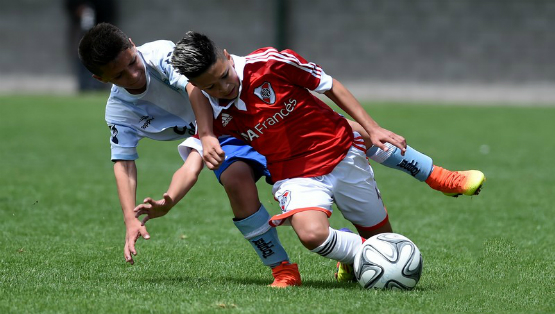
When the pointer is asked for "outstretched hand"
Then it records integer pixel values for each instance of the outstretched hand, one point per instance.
(134, 230)
(153, 209)
(380, 136)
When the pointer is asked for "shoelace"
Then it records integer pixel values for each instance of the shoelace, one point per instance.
(454, 179)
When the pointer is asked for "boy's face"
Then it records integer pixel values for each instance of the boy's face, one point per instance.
(220, 80)
(126, 71)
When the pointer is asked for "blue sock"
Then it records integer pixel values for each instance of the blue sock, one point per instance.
(263, 238)
(414, 162)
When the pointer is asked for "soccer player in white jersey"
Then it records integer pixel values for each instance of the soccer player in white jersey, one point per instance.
(313, 154)
(149, 100)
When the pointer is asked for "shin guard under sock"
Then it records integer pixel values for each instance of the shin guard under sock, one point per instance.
(414, 162)
(263, 238)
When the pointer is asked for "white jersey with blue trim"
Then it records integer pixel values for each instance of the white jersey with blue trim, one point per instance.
(162, 112)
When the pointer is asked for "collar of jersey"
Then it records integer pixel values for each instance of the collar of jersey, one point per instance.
(239, 64)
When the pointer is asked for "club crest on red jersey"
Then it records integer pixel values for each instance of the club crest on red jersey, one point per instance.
(284, 200)
(266, 93)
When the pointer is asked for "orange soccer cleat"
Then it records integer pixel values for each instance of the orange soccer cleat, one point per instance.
(455, 183)
(286, 275)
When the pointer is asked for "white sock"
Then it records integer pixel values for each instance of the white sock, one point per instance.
(340, 246)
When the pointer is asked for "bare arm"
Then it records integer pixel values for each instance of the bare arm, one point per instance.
(125, 172)
(378, 135)
(213, 154)
(182, 181)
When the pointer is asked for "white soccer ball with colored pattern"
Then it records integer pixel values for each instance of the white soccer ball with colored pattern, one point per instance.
(388, 261)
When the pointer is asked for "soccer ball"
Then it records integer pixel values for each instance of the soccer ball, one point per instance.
(388, 261)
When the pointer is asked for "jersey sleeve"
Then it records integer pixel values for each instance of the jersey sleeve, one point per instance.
(163, 50)
(297, 70)
(175, 79)
(123, 142)
(188, 145)
(326, 83)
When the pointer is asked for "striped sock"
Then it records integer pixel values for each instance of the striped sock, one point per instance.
(340, 246)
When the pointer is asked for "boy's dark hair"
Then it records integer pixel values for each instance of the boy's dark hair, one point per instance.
(194, 54)
(101, 45)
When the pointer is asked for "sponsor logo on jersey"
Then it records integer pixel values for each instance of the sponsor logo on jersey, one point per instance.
(147, 120)
(266, 93)
(284, 200)
(183, 130)
(226, 118)
(279, 116)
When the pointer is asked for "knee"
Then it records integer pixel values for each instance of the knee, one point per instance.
(312, 236)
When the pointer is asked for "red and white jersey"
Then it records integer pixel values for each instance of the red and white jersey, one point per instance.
(279, 117)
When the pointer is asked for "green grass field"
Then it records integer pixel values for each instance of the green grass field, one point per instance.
(62, 232)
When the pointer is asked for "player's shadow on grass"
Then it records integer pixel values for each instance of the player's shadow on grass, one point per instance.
(191, 280)
(178, 280)
(324, 285)
(313, 284)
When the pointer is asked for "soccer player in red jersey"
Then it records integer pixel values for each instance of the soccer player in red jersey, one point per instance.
(313, 155)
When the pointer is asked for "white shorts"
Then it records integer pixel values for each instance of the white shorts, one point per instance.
(351, 185)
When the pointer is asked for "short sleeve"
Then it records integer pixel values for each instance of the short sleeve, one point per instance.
(158, 55)
(123, 142)
(175, 79)
(326, 83)
(188, 145)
